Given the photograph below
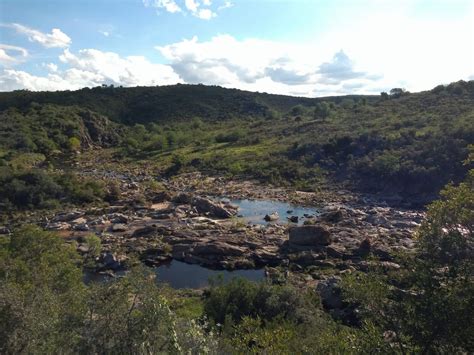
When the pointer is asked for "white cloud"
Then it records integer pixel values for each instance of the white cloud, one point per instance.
(56, 38)
(69, 80)
(126, 71)
(205, 14)
(11, 55)
(275, 67)
(90, 68)
(105, 33)
(226, 5)
(167, 5)
(193, 7)
(52, 67)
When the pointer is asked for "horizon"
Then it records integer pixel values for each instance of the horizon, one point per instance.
(298, 48)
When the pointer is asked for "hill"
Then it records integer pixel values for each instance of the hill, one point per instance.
(406, 146)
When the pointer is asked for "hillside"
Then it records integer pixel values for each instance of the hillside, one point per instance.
(165, 103)
(404, 146)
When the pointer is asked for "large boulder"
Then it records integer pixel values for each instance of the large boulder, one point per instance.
(333, 216)
(211, 208)
(223, 249)
(310, 235)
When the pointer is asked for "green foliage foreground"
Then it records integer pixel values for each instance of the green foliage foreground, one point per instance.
(428, 307)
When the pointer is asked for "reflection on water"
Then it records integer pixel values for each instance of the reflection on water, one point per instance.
(181, 275)
(255, 210)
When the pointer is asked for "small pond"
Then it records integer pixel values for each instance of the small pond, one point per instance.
(178, 274)
(181, 275)
(254, 211)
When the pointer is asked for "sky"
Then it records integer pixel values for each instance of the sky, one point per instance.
(294, 47)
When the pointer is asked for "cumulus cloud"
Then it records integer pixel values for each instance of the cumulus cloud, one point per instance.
(223, 59)
(90, 68)
(56, 38)
(339, 69)
(167, 5)
(198, 8)
(260, 65)
(70, 79)
(114, 69)
(11, 55)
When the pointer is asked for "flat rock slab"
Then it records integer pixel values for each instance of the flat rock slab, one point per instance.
(310, 235)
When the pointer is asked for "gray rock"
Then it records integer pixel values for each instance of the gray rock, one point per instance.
(118, 218)
(119, 227)
(68, 216)
(334, 216)
(218, 249)
(4, 230)
(58, 226)
(109, 261)
(161, 196)
(271, 217)
(144, 231)
(83, 227)
(330, 292)
(310, 235)
(211, 208)
(293, 219)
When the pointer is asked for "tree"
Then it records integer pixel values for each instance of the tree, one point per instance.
(428, 305)
(397, 92)
(322, 110)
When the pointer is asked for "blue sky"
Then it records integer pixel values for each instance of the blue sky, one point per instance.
(296, 47)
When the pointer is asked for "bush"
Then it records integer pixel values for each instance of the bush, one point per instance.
(241, 298)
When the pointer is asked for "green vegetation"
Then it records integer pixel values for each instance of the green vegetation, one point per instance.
(40, 189)
(426, 307)
(403, 144)
(399, 143)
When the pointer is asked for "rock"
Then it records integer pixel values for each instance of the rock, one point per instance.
(330, 292)
(215, 209)
(161, 196)
(334, 216)
(336, 251)
(305, 258)
(67, 216)
(109, 261)
(293, 219)
(378, 220)
(4, 230)
(144, 231)
(382, 252)
(388, 265)
(271, 217)
(310, 235)
(119, 227)
(80, 220)
(83, 227)
(364, 248)
(118, 218)
(183, 198)
(83, 248)
(218, 248)
(58, 226)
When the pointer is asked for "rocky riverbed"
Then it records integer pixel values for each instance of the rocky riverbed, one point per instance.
(192, 220)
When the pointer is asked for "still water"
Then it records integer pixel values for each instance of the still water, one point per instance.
(254, 211)
(178, 274)
(181, 275)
